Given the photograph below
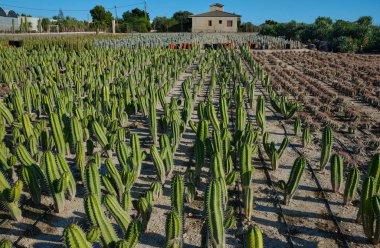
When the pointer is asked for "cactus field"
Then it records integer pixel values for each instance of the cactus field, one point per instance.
(181, 140)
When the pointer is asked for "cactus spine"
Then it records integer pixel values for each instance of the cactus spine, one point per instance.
(327, 142)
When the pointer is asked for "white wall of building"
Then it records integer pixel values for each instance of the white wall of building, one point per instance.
(6, 23)
(201, 24)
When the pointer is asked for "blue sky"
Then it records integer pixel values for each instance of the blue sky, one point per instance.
(256, 11)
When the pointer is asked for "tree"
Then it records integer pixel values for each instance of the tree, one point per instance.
(45, 23)
(100, 17)
(136, 20)
(183, 20)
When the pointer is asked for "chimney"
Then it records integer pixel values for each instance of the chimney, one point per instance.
(217, 7)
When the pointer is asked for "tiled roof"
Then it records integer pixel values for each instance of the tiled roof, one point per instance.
(216, 13)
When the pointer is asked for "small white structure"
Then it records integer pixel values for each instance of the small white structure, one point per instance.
(216, 21)
(10, 20)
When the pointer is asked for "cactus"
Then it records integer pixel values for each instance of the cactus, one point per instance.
(327, 142)
(5, 244)
(64, 168)
(297, 126)
(114, 178)
(351, 185)
(376, 209)
(214, 212)
(144, 210)
(158, 163)
(93, 180)
(76, 131)
(306, 136)
(26, 126)
(366, 211)
(100, 135)
(294, 178)
(120, 215)
(177, 195)
(123, 152)
(23, 155)
(137, 155)
(56, 181)
(74, 237)
(374, 170)
(33, 178)
(246, 175)
(254, 238)
(156, 188)
(126, 200)
(5, 113)
(57, 133)
(173, 230)
(97, 217)
(133, 233)
(201, 136)
(336, 162)
(260, 113)
(166, 154)
(93, 234)
(9, 197)
(152, 113)
(229, 221)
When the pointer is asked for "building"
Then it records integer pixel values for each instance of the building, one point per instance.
(9, 20)
(215, 21)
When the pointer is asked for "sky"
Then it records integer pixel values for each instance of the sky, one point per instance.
(255, 11)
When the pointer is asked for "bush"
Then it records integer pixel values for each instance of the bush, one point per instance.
(344, 44)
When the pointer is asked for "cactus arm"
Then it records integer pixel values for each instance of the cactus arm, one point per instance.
(254, 238)
(159, 164)
(351, 185)
(120, 215)
(215, 214)
(57, 133)
(93, 180)
(74, 237)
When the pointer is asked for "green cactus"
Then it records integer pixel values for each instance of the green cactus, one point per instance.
(93, 234)
(114, 178)
(23, 155)
(33, 178)
(97, 217)
(123, 152)
(374, 171)
(57, 182)
(214, 211)
(74, 237)
(177, 195)
(229, 221)
(26, 126)
(254, 238)
(376, 210)
(57, 134)
(366, 211)
(156, 189)
(173, 230)
(158, 163)
(246, 174)
(260, 113)
(133, 234)
(92, 181)
(137, 155)
(166, 154)
(100, 135)
(306, 136)
(144, 210)
(327, 142)
(76, 130)
(120, 215)
(351, 185)
(6, 244)
(336, 162)
(297, 126)
(152, 113)
(200, 145)
(294, 178)
(10, 196)
(5, 113)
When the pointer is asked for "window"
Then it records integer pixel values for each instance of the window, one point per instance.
(220, 21)
(209, 23)
(229, 23)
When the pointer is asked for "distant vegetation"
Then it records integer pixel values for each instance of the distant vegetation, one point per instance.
(338, 36)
